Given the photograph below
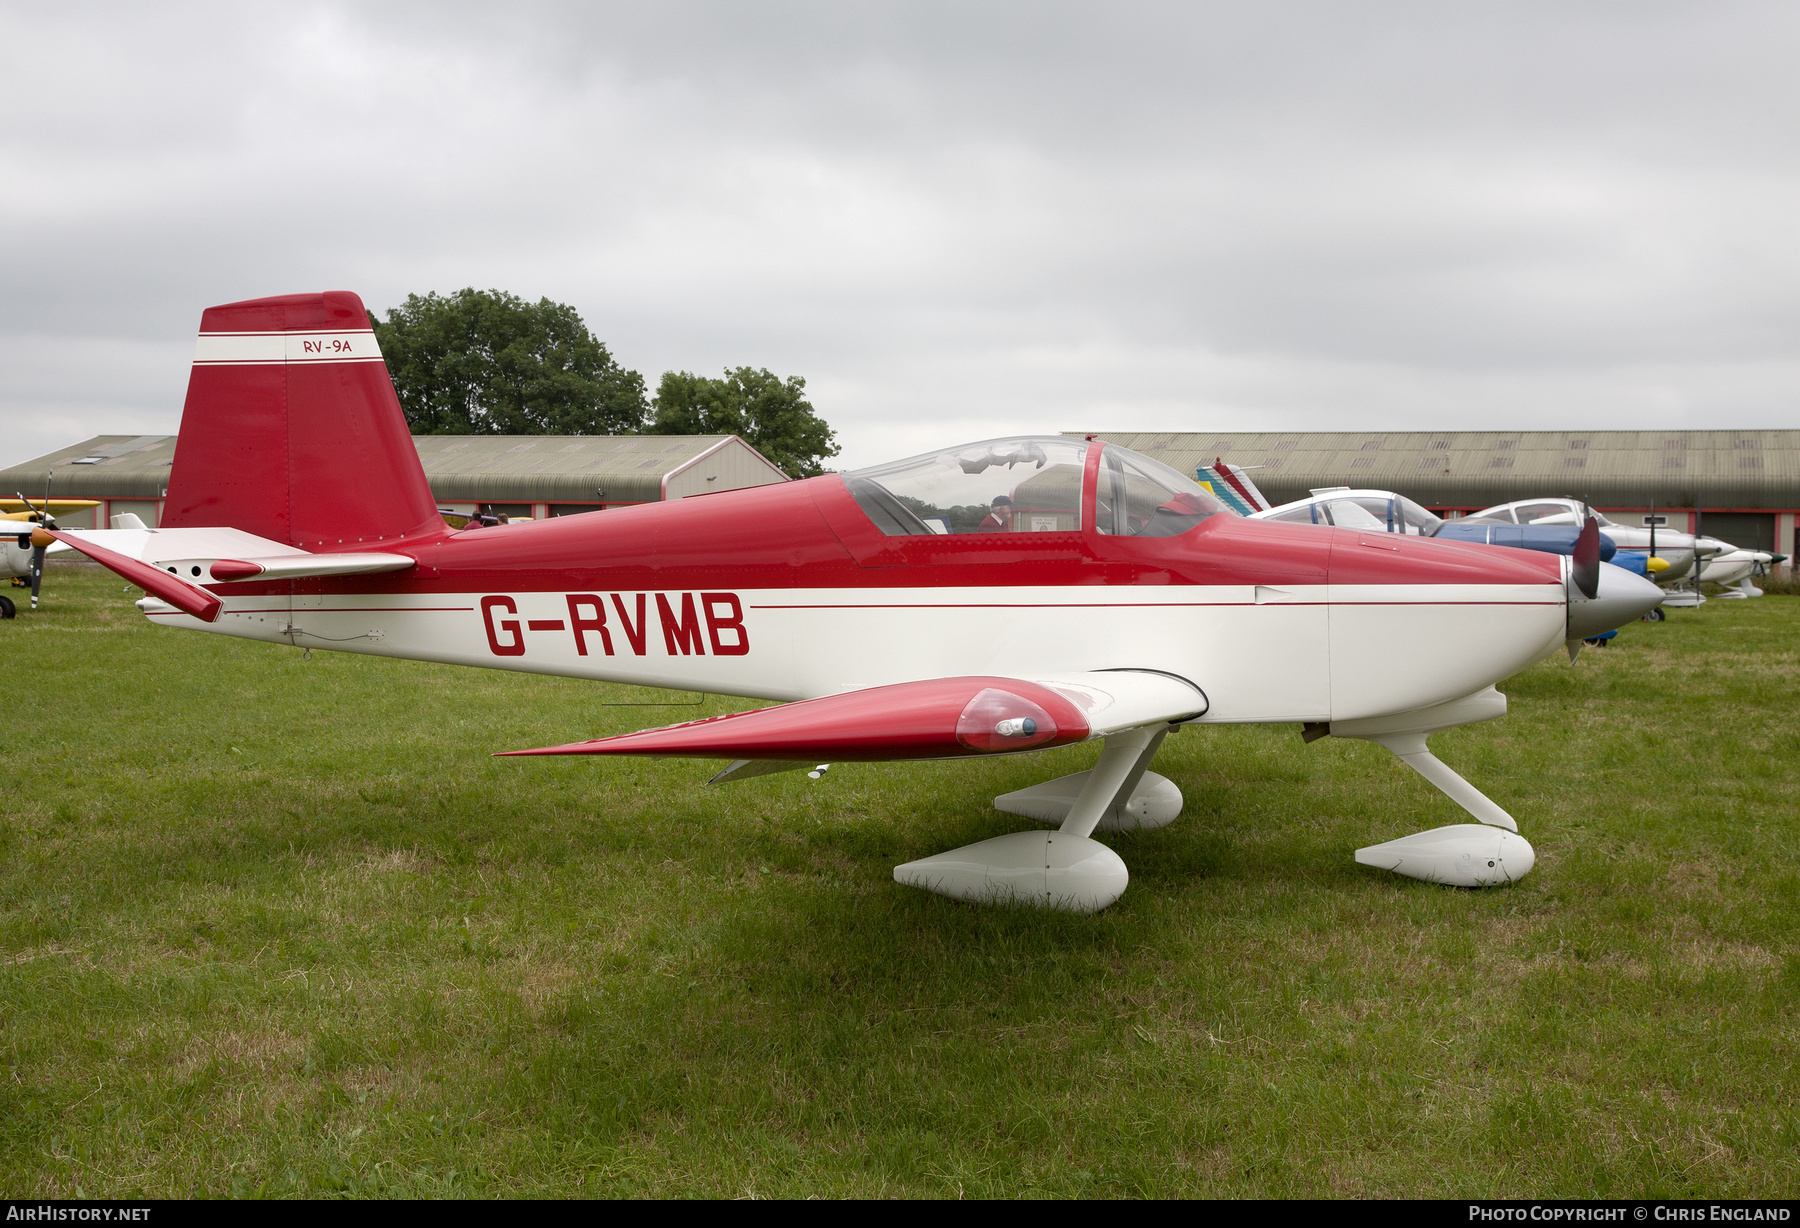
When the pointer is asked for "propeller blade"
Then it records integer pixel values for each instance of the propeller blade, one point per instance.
(37, 573)
(1587, 559)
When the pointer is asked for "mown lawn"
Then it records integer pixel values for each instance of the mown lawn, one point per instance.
(270, 926)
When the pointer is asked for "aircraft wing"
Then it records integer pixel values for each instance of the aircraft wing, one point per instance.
(15, 508)
(936, 718)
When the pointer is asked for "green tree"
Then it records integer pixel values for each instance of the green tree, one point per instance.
(484, 362)
(772, 415)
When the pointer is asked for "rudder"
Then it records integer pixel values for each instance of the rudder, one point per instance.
(291, 429)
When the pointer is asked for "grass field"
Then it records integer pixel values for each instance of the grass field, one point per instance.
(270, 926)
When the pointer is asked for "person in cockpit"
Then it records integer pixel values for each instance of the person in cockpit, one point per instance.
(999, 517)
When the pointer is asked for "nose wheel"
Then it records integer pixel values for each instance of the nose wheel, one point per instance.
(1655, 616)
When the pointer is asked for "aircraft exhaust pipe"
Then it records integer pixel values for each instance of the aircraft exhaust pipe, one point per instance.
(1619, 598)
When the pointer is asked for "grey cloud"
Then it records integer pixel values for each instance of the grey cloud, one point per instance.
(951, 218)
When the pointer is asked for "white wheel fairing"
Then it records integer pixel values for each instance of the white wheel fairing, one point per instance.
(1042, 868)
(1461, 855)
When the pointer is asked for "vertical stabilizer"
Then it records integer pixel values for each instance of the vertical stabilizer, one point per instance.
(292, 431)
(1232, 483)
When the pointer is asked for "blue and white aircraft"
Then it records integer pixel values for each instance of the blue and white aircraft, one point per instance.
(1617, 601)
(1678, 550)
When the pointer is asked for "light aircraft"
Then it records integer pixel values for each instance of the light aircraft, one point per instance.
(20, 559)
(1383, 511)
(1732, 565)
(1679, 550)
(1111, 598)
(1386, 512)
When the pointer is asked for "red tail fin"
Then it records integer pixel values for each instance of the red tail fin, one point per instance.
(292, 431)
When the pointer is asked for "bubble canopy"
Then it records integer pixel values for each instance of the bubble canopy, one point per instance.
(1029, 484)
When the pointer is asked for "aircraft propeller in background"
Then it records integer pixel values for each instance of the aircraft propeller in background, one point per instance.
(24, 542)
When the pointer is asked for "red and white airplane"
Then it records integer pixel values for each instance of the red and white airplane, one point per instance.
(1014, 595)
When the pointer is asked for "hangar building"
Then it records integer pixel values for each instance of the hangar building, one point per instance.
(519, 475)
(1744, 484)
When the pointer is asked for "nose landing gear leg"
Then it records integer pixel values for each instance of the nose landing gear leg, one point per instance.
(1480, 854)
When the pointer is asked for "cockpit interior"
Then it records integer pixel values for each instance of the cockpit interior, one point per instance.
(1030, 484)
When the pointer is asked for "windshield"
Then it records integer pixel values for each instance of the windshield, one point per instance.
(1389, 513)
(1357, 514)
(1306, 513)
(1561, 511)
(1371, 512)
(1140, 497)
(1022, 485)
(1556, 511)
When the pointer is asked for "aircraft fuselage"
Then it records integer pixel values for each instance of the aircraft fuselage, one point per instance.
(789, 592)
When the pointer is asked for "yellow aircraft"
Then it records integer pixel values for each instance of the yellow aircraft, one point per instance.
(20, 555)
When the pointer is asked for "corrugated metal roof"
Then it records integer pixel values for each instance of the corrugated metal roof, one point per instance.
(1709, 469)
(104, 467)
(561, 468)
(460, 468)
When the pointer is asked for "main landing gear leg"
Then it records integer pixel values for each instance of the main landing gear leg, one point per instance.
(1060, 869)
(1481, 854)
(1145, 801)
(1112, 780)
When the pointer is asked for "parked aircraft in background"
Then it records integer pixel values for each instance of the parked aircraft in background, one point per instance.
(1082, 592)
(1233, 484)
(1679, 550)
(1394, 513)
(22, 558)
(22, 508)
(1734, 566)
(1383, 511)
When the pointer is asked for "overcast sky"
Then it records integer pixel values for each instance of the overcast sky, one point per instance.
(955, 220)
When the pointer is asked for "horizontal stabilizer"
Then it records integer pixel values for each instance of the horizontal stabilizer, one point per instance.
(159, 584)
(290, 566)
(224, 556)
